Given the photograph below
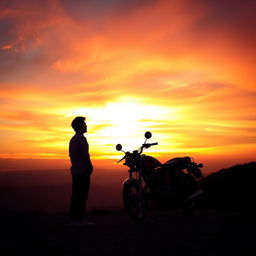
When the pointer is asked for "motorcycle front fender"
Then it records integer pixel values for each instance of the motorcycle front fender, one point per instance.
(128, 181)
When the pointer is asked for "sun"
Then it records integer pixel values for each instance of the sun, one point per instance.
(122, 121)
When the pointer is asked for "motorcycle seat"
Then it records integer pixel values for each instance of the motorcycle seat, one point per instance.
(177, 163)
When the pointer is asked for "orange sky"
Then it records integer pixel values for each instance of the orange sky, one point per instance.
(185, 70)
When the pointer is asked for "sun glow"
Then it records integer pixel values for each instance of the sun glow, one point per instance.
(128, 68)
(123, 121)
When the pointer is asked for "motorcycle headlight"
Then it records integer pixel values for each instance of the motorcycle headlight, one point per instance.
(129, 161)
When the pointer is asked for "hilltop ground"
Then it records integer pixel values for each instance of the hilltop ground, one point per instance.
(224, 224)
(205, 233)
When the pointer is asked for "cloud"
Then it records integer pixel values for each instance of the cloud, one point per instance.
(58, 57)
(95, 40)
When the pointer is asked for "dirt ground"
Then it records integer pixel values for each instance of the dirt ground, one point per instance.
(163, 233)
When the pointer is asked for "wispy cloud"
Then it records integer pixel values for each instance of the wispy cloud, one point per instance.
(195, 61)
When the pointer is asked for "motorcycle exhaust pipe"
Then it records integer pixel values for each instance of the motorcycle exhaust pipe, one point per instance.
(197, 193)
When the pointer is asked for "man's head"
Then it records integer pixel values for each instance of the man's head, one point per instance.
(79, 125)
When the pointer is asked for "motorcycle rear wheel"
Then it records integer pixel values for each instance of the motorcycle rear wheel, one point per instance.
(189, 207)
(135, 201)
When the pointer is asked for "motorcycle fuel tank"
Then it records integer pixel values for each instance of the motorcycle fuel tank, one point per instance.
(149, 162)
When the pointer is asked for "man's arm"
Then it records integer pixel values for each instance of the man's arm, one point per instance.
(84, 149)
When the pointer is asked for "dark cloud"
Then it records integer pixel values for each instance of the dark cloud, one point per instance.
(98, 9)
(235, 18)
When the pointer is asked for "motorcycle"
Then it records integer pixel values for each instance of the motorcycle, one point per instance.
(152, 185)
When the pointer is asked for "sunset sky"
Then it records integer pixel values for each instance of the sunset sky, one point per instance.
(184, 70)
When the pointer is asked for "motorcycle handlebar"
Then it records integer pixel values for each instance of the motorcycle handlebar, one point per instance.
(147, 145)
(121, 159)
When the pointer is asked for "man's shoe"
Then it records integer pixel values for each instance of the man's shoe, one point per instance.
(80, 224)
(87, 223)
(74, 223)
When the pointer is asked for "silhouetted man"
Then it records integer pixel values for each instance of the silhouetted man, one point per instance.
(81, 170)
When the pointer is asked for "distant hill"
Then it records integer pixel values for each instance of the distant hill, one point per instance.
(55, 198)
(228, 189)
(232, 188)
(50, 190)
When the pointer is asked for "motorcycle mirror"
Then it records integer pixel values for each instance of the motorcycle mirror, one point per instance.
(118, 147)
(148, 135)
(200, 165)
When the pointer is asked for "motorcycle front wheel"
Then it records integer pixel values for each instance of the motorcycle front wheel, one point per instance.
(135, 201)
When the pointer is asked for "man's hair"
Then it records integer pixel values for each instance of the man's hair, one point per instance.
(78, 122)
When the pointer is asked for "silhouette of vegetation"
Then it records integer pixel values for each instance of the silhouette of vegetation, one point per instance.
(229, 189)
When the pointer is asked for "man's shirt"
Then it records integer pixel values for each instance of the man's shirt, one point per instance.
(79, 154)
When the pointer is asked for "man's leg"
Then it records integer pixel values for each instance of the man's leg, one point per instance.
(76, 203)
(80, 189)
